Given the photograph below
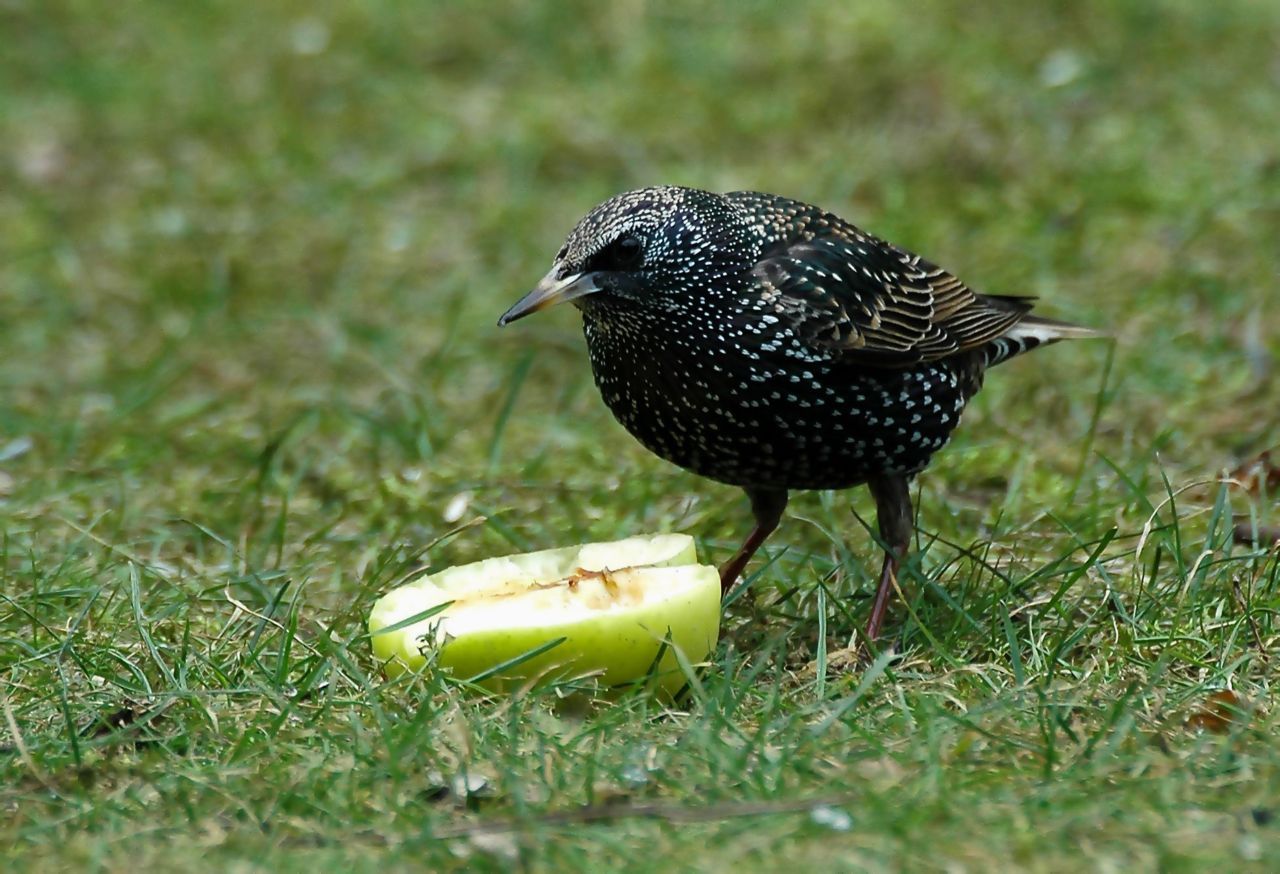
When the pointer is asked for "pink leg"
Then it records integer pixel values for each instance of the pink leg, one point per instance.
(893, 513)
(767, 506)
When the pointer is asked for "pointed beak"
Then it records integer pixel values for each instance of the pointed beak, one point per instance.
(549, 292)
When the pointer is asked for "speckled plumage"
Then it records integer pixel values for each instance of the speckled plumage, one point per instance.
(765, 343)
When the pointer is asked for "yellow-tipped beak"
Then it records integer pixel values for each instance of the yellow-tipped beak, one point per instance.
(549, 292)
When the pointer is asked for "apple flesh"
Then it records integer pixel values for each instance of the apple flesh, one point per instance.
(610, 605)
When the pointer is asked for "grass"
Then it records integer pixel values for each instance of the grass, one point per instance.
(250, 264)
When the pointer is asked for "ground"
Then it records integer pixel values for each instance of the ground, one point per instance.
(250, 265)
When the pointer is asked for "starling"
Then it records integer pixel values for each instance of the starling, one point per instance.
(768, 344)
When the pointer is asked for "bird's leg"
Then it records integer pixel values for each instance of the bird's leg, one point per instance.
(767, 506)
(893, 513)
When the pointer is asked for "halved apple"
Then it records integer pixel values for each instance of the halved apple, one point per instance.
(601, 609)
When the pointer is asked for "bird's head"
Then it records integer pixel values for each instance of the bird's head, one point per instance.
(650, 248)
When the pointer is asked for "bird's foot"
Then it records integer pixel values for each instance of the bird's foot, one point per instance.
(857, 656)
(729, 574)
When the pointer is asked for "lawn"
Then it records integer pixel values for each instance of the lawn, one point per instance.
(251, 261)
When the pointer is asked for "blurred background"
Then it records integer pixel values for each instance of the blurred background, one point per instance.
(251, 259)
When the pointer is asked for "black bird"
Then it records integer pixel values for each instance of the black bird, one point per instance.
(771, 345)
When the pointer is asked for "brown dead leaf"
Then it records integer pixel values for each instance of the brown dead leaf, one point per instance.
(132, 724)
(1260, 474)
(1220, 712)
(1262, 535)
(105, 725)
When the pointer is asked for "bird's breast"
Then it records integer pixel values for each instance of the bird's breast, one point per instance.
(745, 414)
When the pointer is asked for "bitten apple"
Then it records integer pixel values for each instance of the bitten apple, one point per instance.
(609, 605)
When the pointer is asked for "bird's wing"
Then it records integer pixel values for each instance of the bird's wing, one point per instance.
(850, 295)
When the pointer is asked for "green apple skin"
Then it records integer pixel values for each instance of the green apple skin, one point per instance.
(617, 646)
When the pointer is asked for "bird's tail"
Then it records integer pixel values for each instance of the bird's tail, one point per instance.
(1032, 331)
(1043, 330)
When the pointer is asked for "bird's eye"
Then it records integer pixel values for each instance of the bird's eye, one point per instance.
(628, 249)
(624, 253)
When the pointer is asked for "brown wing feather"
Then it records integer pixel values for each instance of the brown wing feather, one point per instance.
(847, 292)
